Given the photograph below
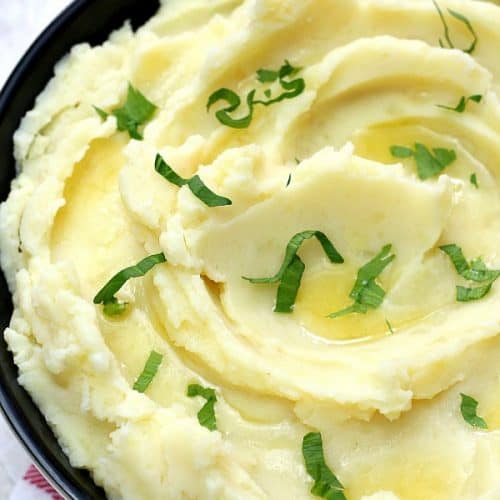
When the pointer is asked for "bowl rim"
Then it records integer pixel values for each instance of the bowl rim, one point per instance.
(21, 72)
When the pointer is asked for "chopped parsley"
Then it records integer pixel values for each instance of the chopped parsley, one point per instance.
(474, 181)
(149, 372)
(468, 408)
(195, 184)
(326, 485)
(289, 286)
(429, 164)
(401, 152)
(106, 295)
(206, 416)
(292, 88)
(267, 75)
(114, 308)
(462, 104)
(475, 271)
(233, 100)
(460, 17)
(136, 111)
(290, 273)
(389, 326)
(366, 293)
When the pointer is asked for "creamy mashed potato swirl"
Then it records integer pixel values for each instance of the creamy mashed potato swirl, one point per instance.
(88, 203)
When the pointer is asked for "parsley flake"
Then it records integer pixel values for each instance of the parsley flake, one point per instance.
(468, 408)
(149, 372)
(460, 17)
(206, 416)
(292, 88)
(366, 293)
(475, 271)
(290, 273)
(114, 308)
(136, 111)
(289, 286)
(462, 104)
(267, 75)
(195, 184)
(401, 152)
(326, 485)
(428, 164)
(233, 100)
(106, 295)
(389, 326)
(474, 181)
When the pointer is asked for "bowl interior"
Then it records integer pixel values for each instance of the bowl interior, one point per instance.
(83, 21)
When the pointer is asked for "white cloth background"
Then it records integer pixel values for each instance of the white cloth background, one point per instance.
(20, 22)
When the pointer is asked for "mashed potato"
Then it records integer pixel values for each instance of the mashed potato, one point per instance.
(363, 153)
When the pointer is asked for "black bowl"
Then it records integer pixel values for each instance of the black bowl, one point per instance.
(83, 21)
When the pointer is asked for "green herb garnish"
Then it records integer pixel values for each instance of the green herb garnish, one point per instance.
(101, 113)
(366, 293)
(389, 326)
(195, 184)
(475, 271)
(460, 17)
(326, 485)
(292, 249)
(136, 111)
(114, 308)
(473, 181)
(289, 180)
(267, 75)
(289, 286)
(290, 274)
(206, 416)
(401, 152)
(149, 371)
(462, 104)
(468, 408)
(465, 294)
(428, 164)
(233, 100)
(106, 296)
(270, 76)
(292, 89)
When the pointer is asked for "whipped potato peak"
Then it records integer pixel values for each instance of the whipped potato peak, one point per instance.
(253, 249)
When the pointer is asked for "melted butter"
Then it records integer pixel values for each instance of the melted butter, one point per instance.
(90, 187)
(130, 340)
(326, 291)
(256, 408)
(375, 142)
(92, 201)
(410, 477)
